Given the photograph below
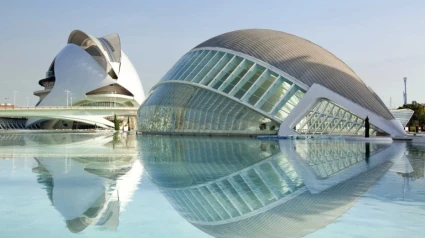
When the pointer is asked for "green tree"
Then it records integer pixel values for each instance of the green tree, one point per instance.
(116, 123)
(128, 123)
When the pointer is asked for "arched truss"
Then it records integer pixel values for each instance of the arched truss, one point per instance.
(105, 50)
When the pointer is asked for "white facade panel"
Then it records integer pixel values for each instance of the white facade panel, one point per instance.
(129, 79)
(78, 72)
(317, 92)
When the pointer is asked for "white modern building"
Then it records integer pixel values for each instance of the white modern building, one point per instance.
(88, 72)
(259, 81)
(403, 115)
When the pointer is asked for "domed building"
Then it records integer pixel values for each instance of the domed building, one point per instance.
(89, 72)
(260, 82)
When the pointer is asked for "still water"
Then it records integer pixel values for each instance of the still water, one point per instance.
(123, 185)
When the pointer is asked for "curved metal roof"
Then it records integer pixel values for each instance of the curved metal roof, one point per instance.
(303, 60)
(104, 50)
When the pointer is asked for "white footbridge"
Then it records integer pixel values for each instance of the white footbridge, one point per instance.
(91, 115)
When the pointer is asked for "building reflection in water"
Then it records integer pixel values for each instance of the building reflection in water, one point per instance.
(89, 179)
(252, 188)
(410, 166)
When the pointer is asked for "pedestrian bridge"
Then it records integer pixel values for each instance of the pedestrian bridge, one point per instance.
(91, 115)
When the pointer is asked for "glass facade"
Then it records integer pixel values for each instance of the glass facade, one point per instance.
(325, 117)
(204, 158)
(16, 123)
(238, 194)
(182, 108)
(241, 79)
(327, 158)
(212, 181)
(403, 115)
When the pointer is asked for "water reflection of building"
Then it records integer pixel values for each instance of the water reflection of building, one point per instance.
(87, 187)
(66, 144)
(286, 188)
(410, 166)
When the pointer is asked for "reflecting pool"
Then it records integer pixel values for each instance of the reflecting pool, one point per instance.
(123, 185)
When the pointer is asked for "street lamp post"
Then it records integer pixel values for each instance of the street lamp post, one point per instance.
(5, 107)
(115, 99)
(71, 100)
(67, 95)
(14, 98)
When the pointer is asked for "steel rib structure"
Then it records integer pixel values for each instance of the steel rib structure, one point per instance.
(303, 60)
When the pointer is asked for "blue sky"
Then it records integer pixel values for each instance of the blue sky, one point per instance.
(382, 41)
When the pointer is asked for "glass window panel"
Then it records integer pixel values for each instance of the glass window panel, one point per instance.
(277, 93)
(178, 66)
(230, 85)
(260, 90)
(226, 72)
(260, 189)
(220, 81)
(267, 107)
(201, 66)
(353, 129)
(337, 121)
(253, 99)
(281, 114)
(299, 94)
(193, 64)
(186, 64)
(209, 65)
(216, 69)
(251, 197)
(234, 196)
(241, 71)
(247, 85)
(240, 93)
(228, 206)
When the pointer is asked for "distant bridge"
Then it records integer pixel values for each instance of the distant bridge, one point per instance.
(91, 115)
